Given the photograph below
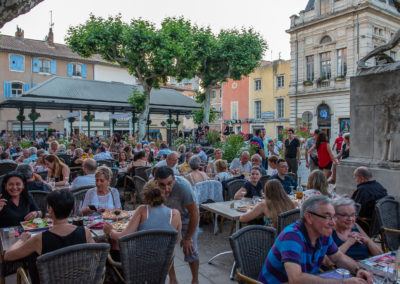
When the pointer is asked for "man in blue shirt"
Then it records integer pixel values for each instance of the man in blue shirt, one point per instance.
(258, 139)
(286, 181)
(300, 248)
(163, 150)
(201, 153)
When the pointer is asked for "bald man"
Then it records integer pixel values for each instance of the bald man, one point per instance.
(241, 165)
(89, 168)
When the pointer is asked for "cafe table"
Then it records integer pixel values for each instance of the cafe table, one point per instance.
(224, 209)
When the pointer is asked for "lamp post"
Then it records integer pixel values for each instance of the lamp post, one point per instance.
(88, 117)
(134, 120)
(21, 119)
(71, 121)
(34, 116)
(170, 121)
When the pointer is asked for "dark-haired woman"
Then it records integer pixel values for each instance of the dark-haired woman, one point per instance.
(325, 156)
(116, 145)
(253, 187)
(62, 234)
(57, 170)
(139, 160)
(16, 204)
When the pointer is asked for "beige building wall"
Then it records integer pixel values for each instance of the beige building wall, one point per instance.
(273, 96)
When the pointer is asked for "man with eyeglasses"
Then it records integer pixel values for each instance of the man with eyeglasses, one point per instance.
(300, 248)
(287, 182)
(256, 161)
(179, 195)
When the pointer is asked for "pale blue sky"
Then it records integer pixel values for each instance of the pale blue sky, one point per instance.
(270, 18)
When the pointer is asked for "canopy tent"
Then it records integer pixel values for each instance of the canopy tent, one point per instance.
(61, 93)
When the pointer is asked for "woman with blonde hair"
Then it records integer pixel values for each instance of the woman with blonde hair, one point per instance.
(57, 170)
(182, 153)
(53, 147)
(276, 201)
(222, 171)
(317, 184)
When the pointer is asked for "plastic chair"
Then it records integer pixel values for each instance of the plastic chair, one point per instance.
(287, 218)
(388, 214)
(40, 198)
(7, 167)
(145, 256)
(234, 186)
(250, 246)
(83, 263)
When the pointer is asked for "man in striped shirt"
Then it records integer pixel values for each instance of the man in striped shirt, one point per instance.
(300, 248)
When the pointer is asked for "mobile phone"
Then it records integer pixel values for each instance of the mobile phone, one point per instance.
(92, 207)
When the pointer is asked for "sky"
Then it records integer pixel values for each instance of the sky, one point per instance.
(268, 17)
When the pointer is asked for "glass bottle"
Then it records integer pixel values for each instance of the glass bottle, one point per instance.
(299, 190)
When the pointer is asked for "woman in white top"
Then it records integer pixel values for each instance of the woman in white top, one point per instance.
(317, 184)
(102, 196)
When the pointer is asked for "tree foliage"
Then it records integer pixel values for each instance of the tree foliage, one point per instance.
(10, 9)
(149, 54)
(198, 115)
(137, 100)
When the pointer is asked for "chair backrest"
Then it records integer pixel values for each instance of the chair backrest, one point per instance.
(114, 178)
(43, 174)
(250, 246)
(66, 159)
(234, 186)
(146, 255)
(148, 172)
(108, 163)
(141, 172)
(287, 218)
(264, 180)
(7, 167)
(40, 198)
(83, 263)
(208, 190)
(375, 226)
(80, 195)
(139, 184)
(388, 214)
(292, 175)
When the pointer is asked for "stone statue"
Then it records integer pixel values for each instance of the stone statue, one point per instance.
(379, 51)
(392, 129)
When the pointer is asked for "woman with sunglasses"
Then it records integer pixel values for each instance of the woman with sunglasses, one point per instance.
(348, 235)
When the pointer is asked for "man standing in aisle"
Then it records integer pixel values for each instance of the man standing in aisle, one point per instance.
(338, 143)
(311, 160)
(292, 152)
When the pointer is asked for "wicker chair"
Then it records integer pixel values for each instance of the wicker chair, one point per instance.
(141, 172)
(139, 184)
(7, 167)
(43, 175)
(250, 246)
(234, 186)
(108, 163)
(83, 263)
(114, 178)
(264, 180)
(66, 159)
(40, 198)
(388, 214)
(145, 256)
(80, 195)
(287, 218)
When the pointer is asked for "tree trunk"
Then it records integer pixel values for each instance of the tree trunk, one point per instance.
(207, 106)
(10, 9)
(142, 118)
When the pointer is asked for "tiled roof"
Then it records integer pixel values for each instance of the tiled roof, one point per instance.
(41, 48)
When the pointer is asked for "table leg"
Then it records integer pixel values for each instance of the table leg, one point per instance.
(221, 253)
(237, 225)
(2, 280)
(232, 276)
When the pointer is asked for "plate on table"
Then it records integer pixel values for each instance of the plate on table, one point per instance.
(245, 208)
(120, 225)
(110, 215)
(36, 224)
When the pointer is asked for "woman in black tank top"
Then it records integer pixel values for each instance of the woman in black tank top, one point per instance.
(62, 234)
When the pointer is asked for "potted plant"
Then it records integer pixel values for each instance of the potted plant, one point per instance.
(307, 83)
(340, 78)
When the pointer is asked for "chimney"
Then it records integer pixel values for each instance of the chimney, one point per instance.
(19, 33)
(50, 37)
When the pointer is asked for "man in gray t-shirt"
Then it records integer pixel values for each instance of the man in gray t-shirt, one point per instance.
(179, 195)
(310, 162)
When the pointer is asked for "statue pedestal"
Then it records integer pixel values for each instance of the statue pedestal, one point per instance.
(375, 129)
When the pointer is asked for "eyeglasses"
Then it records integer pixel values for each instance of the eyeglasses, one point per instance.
(327, 218)
(351, 216)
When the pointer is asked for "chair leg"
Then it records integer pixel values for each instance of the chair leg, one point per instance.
(21, 275)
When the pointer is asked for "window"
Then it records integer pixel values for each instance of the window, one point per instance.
(393, 55)
(310, 67)
(16, 89)
(234, 110)
(342, 62)
(325, 39)
(220, 93)
(44, 65)
(213, 94)
(220, 113)
(257, 85)
(76, 69)
(325, 60)
(325, 6)
(280, 108)
(280, 81)
(257, 109)
(16, 62)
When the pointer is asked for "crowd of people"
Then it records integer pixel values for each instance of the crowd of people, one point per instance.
(327, 227)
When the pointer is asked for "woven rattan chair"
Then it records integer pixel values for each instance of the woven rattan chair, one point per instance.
(139, 184)
(83, 263)
(43, 175)
(264, 180)
(145, 256)
(66, 159)
(108, 163)
(287, 218)
(234, 186)
(250, 246)
(114, 178)
(141, 172)
(40, 198)
(388, 214)
(7, 167)
(80, 195)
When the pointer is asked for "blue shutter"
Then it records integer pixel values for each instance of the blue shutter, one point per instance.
(16, 62)
(7, 89)
(84, 70)
(27, 86)
(69, 69)
(53, 67)
(35, 62)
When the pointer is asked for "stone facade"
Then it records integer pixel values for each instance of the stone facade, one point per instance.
(327, 40)
(269, 100)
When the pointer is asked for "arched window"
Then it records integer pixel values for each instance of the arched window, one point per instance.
(16, 89)
(325, 39)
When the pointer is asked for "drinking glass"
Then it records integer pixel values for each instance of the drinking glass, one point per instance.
(343, 272)
(52, 182)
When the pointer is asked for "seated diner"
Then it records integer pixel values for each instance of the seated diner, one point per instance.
(253, 187)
